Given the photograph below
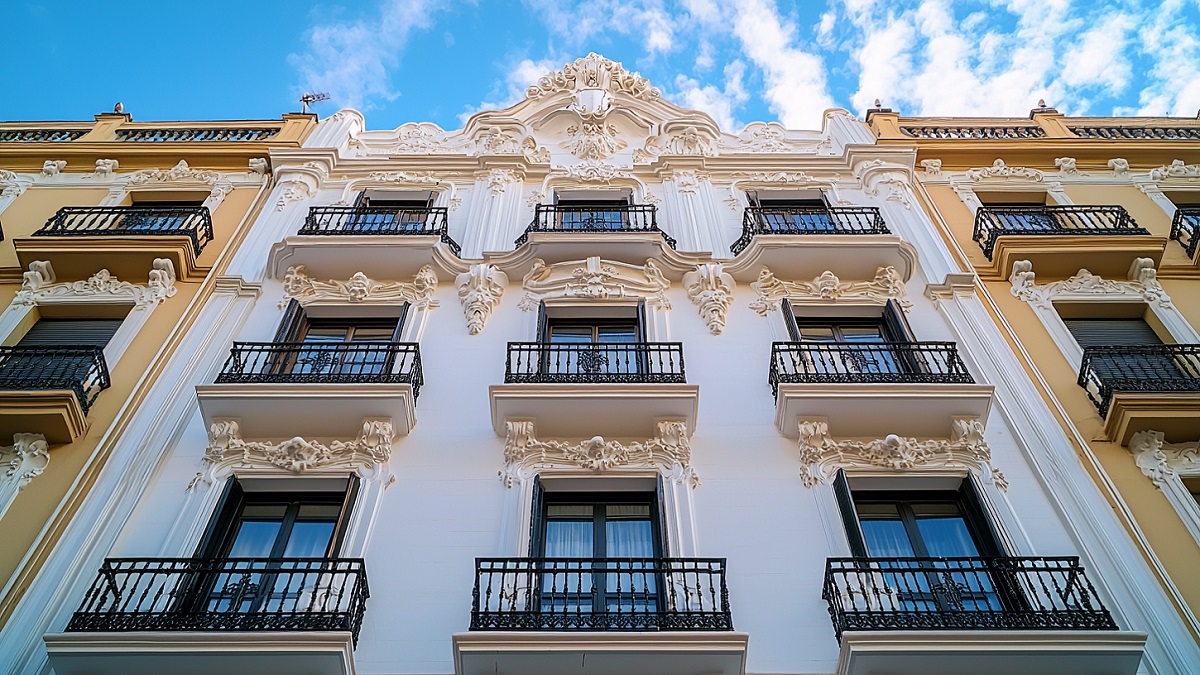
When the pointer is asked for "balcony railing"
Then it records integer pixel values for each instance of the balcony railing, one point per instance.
(225, 594)
(193, 222)
(993, 222)
(618, 594)
(600, 219)
(1147, 368)
(378, 220)
(1185, 228)
(637, 362)
(79, 369)
(298, 362)
(882, 362)
(808, 220)
(872, 594)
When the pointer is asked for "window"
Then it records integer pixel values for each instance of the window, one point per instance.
(337, 345)
(590, 345)
(160, 215)
(791, 210)
(592, 209)
(856, 344)
(68, 331)
(600, 551)
(391, 210)
(1024, 211)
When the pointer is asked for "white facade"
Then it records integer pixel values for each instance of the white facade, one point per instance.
(444, 492)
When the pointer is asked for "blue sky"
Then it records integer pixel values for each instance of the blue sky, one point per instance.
(438, 61)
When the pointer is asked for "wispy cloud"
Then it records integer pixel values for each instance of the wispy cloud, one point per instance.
(354, 60)
(795, 78)
(520, 75)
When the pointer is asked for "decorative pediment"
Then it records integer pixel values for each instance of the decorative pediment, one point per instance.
(669, 452)
(180, 173)
(227, 451)
(594, 279)
(359, 289)
(594, 72)
(1000, 170)
(1142, 284)
(479, 290)
(710, 288)
(39, 286)
(821, 456)
(827, 289)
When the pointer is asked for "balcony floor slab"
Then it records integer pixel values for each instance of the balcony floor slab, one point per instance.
(307, 410)
(56, 414)
(379, 256)
(1062, 256)
(586, 653)
(807, 256)
(876, 410)
(201, 653)
(127, 257)
(585, 410)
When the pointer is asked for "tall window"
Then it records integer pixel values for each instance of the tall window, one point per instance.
(384, 212)
(856, 344)
(791, 213)
(592, 210)
(580, 345)
(337, 345)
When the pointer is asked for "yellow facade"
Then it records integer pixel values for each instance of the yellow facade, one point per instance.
(1033, 285)
(47, 166)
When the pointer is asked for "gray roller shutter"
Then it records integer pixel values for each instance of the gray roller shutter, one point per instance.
(1098, 332)
(70, 332)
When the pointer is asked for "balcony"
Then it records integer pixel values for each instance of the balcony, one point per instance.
(49, 390)
(191, 616)
(987, 616)
(1142, 387)
(1063, 239)
(1185, 228)
(381, 242)
(125, 240)
(906, 388)
(600, 615)
(617, 389)
(281, 390)
(798, 242)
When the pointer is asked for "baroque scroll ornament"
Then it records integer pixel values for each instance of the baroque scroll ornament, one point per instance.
(821, 456)
(227, 448)
(827, 288)
(669, 452)
(1162, 461)
(710, 288)
(999, 169)
(594, 279)
(176, 174)
(1143, 282)
(479, 290)
(594, 72)
(38, 286)
(1176, 169)
(25, 459)
(360, 289)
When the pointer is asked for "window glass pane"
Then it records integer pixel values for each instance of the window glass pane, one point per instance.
(568, 539)
(569, 510)
(325, 334)
(309, 539)
(629, 538)
(886, 538)
(373, 334)
(627, 511)
(946, 536)
(817, 333)
(862, 334)
(571, 334)
(627, 333)
(322, 511)
(254, 539)
(877, 509)
(264, 510)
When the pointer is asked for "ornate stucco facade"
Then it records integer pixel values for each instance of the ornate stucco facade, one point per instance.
(510, 305)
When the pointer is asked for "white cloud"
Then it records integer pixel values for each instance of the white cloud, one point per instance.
(1098, 57)
(1175, 75)
(795, 78)
(520, 76)
(720, 103)
(353, 60)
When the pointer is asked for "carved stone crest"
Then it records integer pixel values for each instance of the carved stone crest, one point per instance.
(360, 289)
(669, 452)
(594, 279)
(710, 288)
(827, 289)
(1142, 282)
(999, 169)
(479, 290)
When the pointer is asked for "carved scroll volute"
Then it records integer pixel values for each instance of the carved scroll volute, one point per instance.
(711, 290)
(479, 290)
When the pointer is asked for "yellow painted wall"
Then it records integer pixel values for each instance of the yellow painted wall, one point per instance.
(31, 210)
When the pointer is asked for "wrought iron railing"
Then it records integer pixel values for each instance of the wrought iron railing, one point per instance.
(40, 135)
(369, 220)
(808, 220)
(298, 362)
(1162, 368)
(619, 594)
(993, 222)
(881, 362)
(225, 594)
(996, 593)
(555, 218)
(1139, 133)
(193, 222)
(1185, 228)
(79, 369)
(208, 134)
(975, 133)
(628, 362)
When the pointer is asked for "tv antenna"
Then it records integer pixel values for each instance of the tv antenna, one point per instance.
(312, 97)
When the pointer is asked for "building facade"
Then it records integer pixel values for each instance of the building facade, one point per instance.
(1083, 233)
(454, 362)
(110, 230)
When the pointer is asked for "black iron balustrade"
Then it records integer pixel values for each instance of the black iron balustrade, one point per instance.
(993, 222)
(1106, 370)
(1185, 228)
(40, 135)
(622, 362)
(599, 219)
(299, 362)
(45, 368)
(226, 134)
(1139, 133)
(225, 594)
(193, 222)
(975, 133)
(370, 220)
(978, 593)
(618, 594)
(808, 220)
(865, 363)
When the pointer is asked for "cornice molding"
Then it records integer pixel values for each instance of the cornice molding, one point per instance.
(359, 289)
(827, 289)
(669, 452)
(821, 456)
